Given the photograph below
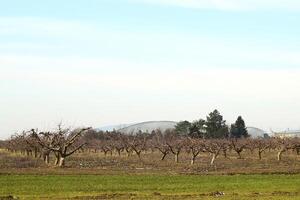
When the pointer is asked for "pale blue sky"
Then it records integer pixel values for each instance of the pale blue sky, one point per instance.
(101, 62)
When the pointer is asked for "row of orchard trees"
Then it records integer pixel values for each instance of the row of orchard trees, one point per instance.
(65, 142)
(210, 136)
(61, 143)
(170, 142)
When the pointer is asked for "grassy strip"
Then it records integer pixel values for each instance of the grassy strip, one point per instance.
(150, 186)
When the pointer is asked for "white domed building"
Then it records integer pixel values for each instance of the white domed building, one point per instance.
(148, 127)
(256, 132)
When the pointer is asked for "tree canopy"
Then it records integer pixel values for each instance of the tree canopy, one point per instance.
(183, 128)
(238, 129)
(215, 125)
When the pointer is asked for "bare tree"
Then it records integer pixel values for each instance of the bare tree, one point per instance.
(214, 146)
(18, 143)
(118, 144)
(106, 144)
(283, 145)
(238, 145)
(63, 142)
(194, 146)
(138, 143)
(176, 144)
(33, 145)
(159, 142)
(125, 139)
(261, 145)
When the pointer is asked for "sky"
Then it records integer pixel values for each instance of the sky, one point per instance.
(103, 62)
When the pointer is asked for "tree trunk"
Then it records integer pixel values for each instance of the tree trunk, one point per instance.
(176, 157)
(214, 156)
(57, 159)
(225, 153)
(46, 158)
(259, 155)
(128, 152)
(61, 161)
(279, 155)
(193, 159)
(119, 152)
(35, 153)
(164, 156)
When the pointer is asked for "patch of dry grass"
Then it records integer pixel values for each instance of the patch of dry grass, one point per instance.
(97, 163)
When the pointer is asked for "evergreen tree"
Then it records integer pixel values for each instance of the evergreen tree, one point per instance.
(238, 129)
(197, 129)
(183, 128)
(215, 125)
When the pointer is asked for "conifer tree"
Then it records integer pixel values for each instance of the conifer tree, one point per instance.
(215, 125)
(238, 129)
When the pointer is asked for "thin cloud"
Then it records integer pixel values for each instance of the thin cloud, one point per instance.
(203, 4)
(78, 72)
(43, 27)
(229, 5)
(62, 92)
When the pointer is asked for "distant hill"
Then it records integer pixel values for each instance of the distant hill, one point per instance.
(148, 127)
(113, 127)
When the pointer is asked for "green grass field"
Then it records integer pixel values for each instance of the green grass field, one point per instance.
(239, 187)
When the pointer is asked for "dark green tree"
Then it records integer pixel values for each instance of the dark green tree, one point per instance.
(238, 129)
(197, 129)
(183, 128)
(215, 126)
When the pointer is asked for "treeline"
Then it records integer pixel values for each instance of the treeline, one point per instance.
(63, 143)
(60, 143)
(214, 127)
(170, 142)
(211, 136)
